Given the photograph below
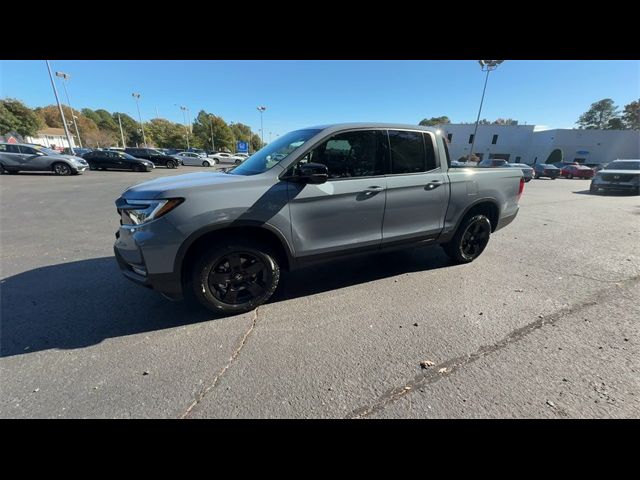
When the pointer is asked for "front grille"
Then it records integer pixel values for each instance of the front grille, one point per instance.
(613, 177)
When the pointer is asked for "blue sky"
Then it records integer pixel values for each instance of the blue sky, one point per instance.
(305, 93)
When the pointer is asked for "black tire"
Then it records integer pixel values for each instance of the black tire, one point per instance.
(470, 239)
(139, 168)
(2, 170)
(535, 175)
(593, 188)
(92, 166)
(247, 273)
(238, 162)
(61, 169)
(171, 164)
(206, 163)
(569, 176)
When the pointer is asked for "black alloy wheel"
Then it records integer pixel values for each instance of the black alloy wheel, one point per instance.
(171, 164)
(236, 277)
(470, 239)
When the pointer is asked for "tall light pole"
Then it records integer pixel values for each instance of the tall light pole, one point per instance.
(64, 122)
(185, 109)
(261, 109)
(485, 66)
(65, 77)
(121, 132)
(213, 145)
(137, 97)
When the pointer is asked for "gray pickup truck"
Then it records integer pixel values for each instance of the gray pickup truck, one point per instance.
(311, 195)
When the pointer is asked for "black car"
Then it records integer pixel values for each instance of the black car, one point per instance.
(111, 159)
(545, 170)
(158, 158)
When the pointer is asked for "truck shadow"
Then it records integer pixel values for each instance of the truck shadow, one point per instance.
(78, 304)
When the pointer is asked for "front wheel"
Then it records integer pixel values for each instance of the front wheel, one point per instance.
(92, 166)
(593, 188)
(171, 164)
(569, 176)
(470, 239)
(61, 169)
(206, 164)
(235, 277)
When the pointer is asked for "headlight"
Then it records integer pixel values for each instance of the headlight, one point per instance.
(138, 212)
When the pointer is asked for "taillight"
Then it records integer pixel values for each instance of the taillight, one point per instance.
(521, 188)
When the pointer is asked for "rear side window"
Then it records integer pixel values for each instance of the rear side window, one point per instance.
(9, 148)
(429, 151)
(407, 152)
(28, 150)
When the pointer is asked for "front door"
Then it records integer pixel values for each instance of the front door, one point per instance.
(346, 212)
(417, 188)
(32, 159)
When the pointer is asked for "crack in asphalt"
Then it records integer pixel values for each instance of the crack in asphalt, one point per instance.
(216, 379)
(436, 372)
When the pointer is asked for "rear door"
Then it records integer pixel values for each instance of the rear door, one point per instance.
(417, 188)
(346, 212)
(10, 156)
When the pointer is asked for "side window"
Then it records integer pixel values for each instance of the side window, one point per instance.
(3, 147)
(407, 152)
(28, 150)
(351, 154)
(430, 151)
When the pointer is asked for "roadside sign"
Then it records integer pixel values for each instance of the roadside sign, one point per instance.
(242, 147)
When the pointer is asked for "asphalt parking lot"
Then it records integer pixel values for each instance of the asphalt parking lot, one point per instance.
(543, 324)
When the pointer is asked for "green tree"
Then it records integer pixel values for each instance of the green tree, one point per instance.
(256, 143)
(106, 121)
(15, 116)
(433, 121)
(505, 121)
(165, 134)
(130, 127)
(222, 134)
(87, 112)
(599, 115)
(631, 115)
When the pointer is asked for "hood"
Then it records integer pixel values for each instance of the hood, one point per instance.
(165, 187)
(73, 157)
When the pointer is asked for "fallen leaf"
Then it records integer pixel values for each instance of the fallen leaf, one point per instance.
(427, 363)
(518, 290)
(443, 370)
(146, 372)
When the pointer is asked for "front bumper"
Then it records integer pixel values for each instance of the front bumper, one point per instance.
(622, 186)
(146, 254)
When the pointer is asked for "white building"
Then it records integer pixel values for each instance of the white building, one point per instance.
(53, 138)
(535, 143)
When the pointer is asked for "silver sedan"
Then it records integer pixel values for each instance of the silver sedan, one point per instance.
(194, 159)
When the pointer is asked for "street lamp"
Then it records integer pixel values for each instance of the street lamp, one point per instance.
(261, 109)
(65, 77)
(185, 109)
(213, 145)
(137, 97)
(64, 122)
(485, 66)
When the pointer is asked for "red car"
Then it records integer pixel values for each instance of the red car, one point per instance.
(578, 171)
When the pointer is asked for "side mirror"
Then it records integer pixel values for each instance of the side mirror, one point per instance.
(315, 173)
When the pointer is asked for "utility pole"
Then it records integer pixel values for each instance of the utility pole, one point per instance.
(261, 109)
(213, 145)
(137, 97)
(64, 122)
(65, 77)
(485, 66)
(121, 132)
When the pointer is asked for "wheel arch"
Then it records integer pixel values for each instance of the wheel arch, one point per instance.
(198, 241)
(486, 206)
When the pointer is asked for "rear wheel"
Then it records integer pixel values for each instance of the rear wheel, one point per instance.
(171, 164)
(569, 176)
(235, 276)
(61, 169)
(470, 239)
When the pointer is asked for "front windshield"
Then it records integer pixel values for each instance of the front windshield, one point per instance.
(623, 166)
(48, 151)
(274, 153)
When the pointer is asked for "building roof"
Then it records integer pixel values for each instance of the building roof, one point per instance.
(52, 131)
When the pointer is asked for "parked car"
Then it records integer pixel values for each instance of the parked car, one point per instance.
(195, 159)
(172, 151)
(199, 151)
(20, 157)
(561, 165)
(596, 166)
(545, 170)
(241, 155)
(158, 158)
(333, 191)
(223, 157)
(79, 152)
(618, 175)
(111, 159)
(492, 163)
(458, 164)
(577, 171)
(527, 171)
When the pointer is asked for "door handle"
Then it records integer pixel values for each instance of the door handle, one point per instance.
(433, 184)
(374, 189)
